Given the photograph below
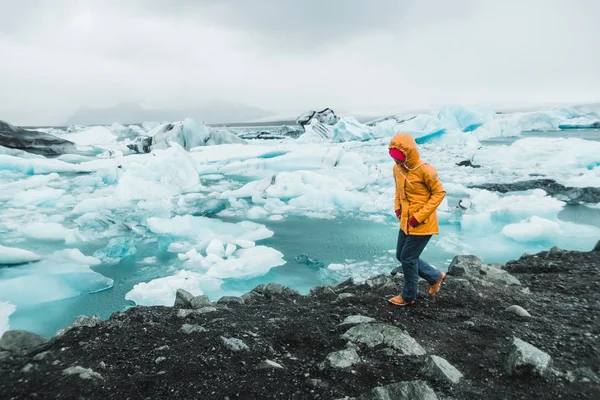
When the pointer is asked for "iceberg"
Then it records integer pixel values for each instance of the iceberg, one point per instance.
(33, 141)
(51, 231)
(15, 256)
(206, 229)
(188, 134)
(49, 280)
(167, 173)
(6, 309)
(116, 250)
(532, 230)
(96, 135)
(161, 291)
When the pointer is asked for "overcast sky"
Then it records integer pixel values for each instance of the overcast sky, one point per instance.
(290, 56)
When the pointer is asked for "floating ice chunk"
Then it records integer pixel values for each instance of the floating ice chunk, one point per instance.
(52, 232)
(6, 309)
(230, 249)
(532, 230)
(99, 204)
(349, 129)
(96, 135)
(215, 247)
(207, 229)
(149, 260)
(161, 291)
(12, 256)
(257, 213)
(243, 263)
(75, 255)
(49, 280)
(163, 174)
(117, 249)
(44, 196)
(9, 190)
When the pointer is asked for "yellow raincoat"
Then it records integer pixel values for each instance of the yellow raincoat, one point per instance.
(419, 191)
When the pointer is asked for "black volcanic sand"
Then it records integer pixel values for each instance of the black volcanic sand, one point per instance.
(466, 323)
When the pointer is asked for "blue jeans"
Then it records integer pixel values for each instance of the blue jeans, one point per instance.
(408, 251)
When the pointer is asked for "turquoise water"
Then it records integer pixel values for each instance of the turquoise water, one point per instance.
(586, 134)
(328, 241)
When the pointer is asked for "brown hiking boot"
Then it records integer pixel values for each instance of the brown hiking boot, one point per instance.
(399, 301)
(436, 286)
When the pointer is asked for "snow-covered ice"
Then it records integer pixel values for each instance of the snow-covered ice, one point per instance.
(11, 256)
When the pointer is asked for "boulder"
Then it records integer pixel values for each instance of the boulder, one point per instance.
(83, 373)
(526, 359)
(183, 299)
(189, 328)
(200, 302)
(438, 369)
(518, 310)
(230, 300)
(465, 266)
(20, 341)
(413, 390)
(356, 320)
(234, 344)
(82, 320)
(322, 291)
(375, 334)
(496, 275)
(380, 282)
(343, 358)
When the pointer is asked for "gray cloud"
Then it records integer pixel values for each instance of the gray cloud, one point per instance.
(287, 56)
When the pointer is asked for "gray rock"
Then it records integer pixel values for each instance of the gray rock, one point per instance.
(497, 275)
(230, 300)
(356, 320)
(322, 291)
(465, 266)
(344, 296)
(597, 247)
(183, 299)
(348, 283)
(42, 356)
(188, 328)
(234, 344)
(277, 290)
(82, 320)
(160, 359)
(274, 289)
(28, 368)
(4, 355)
(260, 289)
(376, 334)
(526, 359)
(21, 341)
(253, 298)
(438, 369)
(413, 390)
(268, 364)
(200, 302)
(83, 373)
(183, 313)
(343, 358)
(518, 310)
(380, 282)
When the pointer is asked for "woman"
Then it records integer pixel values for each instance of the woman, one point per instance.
(419, 192)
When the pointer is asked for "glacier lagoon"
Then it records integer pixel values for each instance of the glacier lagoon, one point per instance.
(116, 229)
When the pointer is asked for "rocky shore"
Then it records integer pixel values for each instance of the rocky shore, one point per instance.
(529, 329)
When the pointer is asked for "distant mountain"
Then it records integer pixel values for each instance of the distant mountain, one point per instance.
(128, 113)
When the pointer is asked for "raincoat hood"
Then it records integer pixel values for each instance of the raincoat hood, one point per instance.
(407, 145)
